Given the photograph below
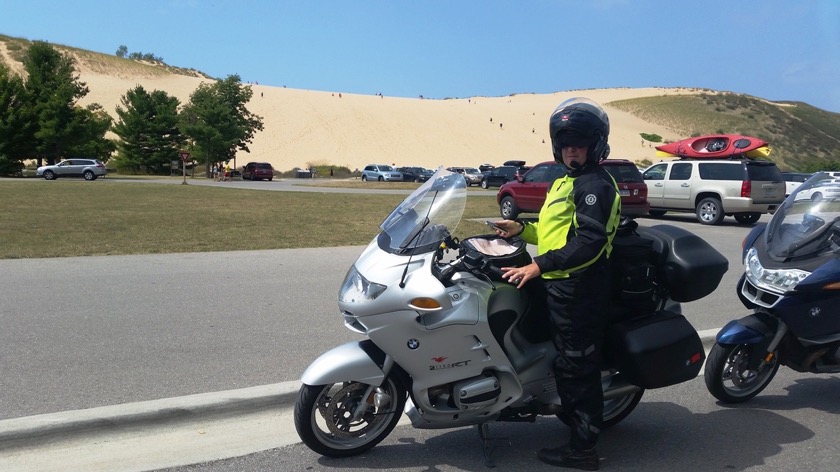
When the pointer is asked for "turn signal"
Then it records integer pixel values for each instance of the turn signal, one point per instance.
(424, 303)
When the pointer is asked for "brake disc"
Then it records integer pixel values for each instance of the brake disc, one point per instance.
(339, 412)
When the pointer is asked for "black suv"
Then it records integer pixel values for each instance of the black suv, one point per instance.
(499, 176)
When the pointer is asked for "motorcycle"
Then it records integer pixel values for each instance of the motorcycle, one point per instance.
(790, 282)
(450, 343)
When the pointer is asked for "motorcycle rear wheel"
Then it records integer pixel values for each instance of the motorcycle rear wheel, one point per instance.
(324, 417)
(617, 409)
(729, 380)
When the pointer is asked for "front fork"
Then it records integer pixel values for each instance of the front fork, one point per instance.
(380, 399)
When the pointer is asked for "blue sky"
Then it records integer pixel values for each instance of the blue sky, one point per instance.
(774, 49)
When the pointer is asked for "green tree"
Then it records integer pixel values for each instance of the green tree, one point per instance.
(148, 130)
(217, 121)
(122, 51)
(16, 122)
(90, 126)
(54, 90)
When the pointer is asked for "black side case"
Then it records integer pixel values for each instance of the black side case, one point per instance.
(655, 351)
(690, 267)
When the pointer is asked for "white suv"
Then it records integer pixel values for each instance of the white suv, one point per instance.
(712, 189)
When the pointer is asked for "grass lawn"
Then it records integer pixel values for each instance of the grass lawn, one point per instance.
(78, 218)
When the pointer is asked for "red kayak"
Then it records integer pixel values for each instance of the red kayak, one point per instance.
(715, 146)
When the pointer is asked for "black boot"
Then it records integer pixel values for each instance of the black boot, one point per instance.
(586, 459)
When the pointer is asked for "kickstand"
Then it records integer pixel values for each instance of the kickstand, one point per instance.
(486, 443)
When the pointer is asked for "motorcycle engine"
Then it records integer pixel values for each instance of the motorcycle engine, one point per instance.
(476, 392)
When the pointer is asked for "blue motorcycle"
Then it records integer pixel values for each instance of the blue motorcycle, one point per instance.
(792, 283)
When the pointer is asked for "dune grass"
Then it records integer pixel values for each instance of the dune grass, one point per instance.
(77, 218)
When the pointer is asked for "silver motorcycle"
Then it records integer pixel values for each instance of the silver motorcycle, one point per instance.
(451, 344)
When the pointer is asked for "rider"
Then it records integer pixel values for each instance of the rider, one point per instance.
(574, 238)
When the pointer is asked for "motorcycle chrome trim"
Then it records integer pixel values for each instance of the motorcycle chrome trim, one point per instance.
(345, 363)
(761, 297)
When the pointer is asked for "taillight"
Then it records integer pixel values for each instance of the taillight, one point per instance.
(746, 188)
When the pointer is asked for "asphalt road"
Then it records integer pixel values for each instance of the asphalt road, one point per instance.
(791, 426)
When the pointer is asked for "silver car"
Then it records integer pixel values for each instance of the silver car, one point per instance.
(472, 175)
(90, 169)
(381, 172)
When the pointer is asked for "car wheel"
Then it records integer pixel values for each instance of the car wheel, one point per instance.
(484, 184)
(709, 211)
(747, 218)
(270, 179)
(508, 208)
(364, 178)
(49, 175)
(656, 212)
(380, 178)
(88, 175)
(816, 197)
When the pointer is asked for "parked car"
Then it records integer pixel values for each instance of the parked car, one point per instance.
(527, 194)
(258, 171)
(828, 189)
(631, 186)
(503, 174)
(90, 169)
(793, 180)
(415, 174)
(715, 188)
(381, 172)
(471, 174)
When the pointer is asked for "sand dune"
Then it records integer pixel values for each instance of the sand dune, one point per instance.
(304, 127)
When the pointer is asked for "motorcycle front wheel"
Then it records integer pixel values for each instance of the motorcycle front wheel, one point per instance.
(328, 420)
(729, 380)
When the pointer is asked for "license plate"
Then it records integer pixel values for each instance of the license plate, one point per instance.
(624, 193)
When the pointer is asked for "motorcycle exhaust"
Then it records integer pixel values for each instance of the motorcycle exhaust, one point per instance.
(618, 391)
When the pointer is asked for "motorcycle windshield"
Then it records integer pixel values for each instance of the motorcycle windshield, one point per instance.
(426, 217)
(808, 222)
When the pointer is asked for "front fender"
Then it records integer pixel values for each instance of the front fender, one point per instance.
(753, 329)
(345, 363)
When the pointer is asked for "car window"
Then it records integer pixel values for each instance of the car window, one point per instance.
(764, 172)
(720, 171)
(656, 172)
(796, 177)
(537, 174)
(680, 171)
(625, 174)
(555, 171)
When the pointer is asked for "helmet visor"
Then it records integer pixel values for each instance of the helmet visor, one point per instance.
(569, 138)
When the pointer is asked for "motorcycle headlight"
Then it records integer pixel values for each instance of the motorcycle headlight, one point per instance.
(357, 289)
(776, 280)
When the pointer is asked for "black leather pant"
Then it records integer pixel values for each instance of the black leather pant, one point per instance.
(578, 310)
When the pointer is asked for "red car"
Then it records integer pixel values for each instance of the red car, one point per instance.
(258, 171)
(527, 194)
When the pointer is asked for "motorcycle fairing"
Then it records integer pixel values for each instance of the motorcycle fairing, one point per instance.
(347, 362)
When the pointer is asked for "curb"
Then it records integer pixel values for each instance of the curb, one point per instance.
(52, 425)
(283, 395)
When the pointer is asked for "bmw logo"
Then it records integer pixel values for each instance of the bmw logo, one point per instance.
(814, 312)
(413, 344)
